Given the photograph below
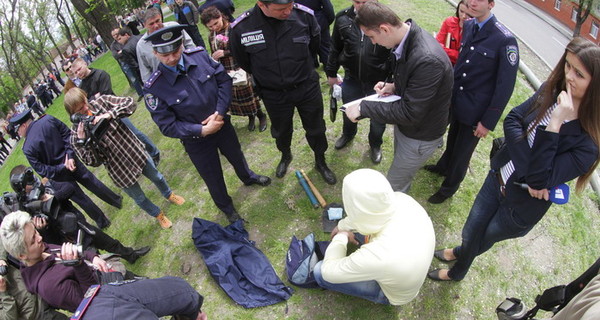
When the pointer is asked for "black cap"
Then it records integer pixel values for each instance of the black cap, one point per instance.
(20, 118)
(167, 40)
(277, 1)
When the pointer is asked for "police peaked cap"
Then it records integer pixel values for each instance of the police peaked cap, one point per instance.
(168, 39)
(277, 1)
(21, 118)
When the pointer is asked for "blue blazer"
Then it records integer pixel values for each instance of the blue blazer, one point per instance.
(555, 158)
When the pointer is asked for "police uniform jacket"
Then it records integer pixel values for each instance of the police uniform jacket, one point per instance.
(179, 103)
(362, 60)
(553, 159)
(485, 74)
(280, 54)
(46, 145)
(423, 78)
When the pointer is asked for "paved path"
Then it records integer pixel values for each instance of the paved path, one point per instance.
(536, 29)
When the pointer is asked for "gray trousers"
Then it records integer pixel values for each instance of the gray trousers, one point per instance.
(409, 156)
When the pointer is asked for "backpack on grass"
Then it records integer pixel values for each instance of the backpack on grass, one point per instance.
(301, 258)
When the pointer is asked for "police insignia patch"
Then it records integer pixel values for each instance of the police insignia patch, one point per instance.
(512, 54)
(151, 101)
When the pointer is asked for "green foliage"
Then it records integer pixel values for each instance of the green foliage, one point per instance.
(562, 245)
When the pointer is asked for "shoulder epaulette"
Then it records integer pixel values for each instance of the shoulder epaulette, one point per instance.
(304, 8)
(503, 29)
(240, 18)
(152, 79)
(195, 49)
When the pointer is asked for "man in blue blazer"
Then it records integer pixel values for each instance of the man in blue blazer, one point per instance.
(484, 78)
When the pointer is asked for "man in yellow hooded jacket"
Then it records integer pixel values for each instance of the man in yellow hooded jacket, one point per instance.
(391, 266)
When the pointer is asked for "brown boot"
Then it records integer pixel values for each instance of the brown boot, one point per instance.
(165, 223)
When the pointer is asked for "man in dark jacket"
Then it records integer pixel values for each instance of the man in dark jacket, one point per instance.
(323, 10)
(186, 14)
(364, 65)
(422, 79)
(129, 57)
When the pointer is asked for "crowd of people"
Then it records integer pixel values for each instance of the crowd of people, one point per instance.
(456, 84)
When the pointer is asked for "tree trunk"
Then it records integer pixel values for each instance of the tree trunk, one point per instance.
(65, 26)
(75, 25)
(99, 16)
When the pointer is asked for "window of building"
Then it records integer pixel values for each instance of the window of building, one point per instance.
(557, 4)
(574, 13)
(594, 30)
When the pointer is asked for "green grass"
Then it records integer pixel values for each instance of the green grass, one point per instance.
(559, 248)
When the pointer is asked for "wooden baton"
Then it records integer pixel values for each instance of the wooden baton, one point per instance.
(314, 189)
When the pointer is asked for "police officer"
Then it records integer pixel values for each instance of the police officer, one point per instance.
(49, 152)
(484, 79)
(277, 42)
(188, 96)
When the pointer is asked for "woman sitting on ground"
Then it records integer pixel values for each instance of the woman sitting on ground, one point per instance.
(551, 138)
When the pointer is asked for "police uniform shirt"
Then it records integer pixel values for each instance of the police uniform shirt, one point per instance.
(278, 53)
(179, 102)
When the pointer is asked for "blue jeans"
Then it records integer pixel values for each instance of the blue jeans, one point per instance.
(150, 147)
(134, 79)
(369, 290)
(490, 220)
(137, 194)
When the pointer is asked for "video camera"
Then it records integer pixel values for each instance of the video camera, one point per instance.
(93, 132)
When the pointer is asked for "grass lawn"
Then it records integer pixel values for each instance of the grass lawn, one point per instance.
(558, 249)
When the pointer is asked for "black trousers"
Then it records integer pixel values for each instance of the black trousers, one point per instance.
(307, 98)
(455, 160)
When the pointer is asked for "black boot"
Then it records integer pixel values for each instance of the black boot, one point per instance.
(325, 172)
(251, 123)
(282, 167)
(262, 120)
(233, 216)
(135, 254)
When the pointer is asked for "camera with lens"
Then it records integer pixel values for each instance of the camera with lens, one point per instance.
(93, 132)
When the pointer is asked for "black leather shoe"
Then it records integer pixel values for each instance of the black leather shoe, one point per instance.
(343, 141)
(327, 174)
(136, 254)
(233, 217)
(251, 123)
(260, 180)
(262, 122)
(439, 254)
(434, 169)
(119, 203)
(283, 166)
(435, 275)
(437, 198)
(103, 223)
(375, 155)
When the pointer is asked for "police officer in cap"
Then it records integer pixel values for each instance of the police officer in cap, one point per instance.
(188, 96)
(277, 42)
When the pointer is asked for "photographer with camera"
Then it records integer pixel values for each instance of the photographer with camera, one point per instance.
(44, 272)
(55, 217)
(99, 140)
(15, 301)
(49, 152)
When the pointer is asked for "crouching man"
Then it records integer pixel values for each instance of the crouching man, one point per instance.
(390, 267)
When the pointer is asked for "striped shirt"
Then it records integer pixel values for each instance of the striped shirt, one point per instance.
(508, 169)
(121, 152)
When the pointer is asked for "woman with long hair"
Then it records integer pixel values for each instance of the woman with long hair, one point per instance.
(244, 101)
(551, 138)
(451, 31)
